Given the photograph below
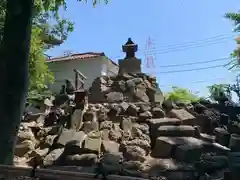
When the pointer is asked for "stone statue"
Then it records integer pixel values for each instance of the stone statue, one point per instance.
(63, 89)
(69, 87)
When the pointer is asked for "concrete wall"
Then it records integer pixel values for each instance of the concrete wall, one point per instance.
(63, 70)
(112, 68)
(90, 67)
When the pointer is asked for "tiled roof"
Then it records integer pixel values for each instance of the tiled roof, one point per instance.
(79, 56)
(76, 56)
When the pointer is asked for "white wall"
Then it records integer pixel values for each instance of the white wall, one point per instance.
(112, 69)
(63, 70)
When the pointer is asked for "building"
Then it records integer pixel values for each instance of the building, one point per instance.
(90, 64)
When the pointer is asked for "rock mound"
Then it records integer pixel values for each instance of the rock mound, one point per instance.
(138, 139)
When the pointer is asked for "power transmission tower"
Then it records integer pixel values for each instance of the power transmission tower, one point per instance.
(150, 58)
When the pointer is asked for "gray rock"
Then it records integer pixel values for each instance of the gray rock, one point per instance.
(81, 160)
(110, 146)
(114, 97)
(157, 112)
(134, 153)
(24, 147)
(106, 125)
(189, 153)
(70, 135)
(126, 124)
(53, 156)
(132, 110)
(89, 126)
(49, 140)
(138, 142)
(90, 115)
(93, 145)
(176, 131)
(144, 116)
(140, 95)
(155, 123)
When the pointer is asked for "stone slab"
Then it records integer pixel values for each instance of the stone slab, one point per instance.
(176, 131)
(93, 145)
(166, 146)
(183, 115)
(110, 146)
(189, 152)
(68, 135)
(157, 122)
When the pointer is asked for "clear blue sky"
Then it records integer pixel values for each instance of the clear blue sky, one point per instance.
(168, 22)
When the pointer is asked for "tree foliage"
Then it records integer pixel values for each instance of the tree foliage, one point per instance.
(219, 91)
(235, 17)
(181, 95)
(49, 30)
(225, 91)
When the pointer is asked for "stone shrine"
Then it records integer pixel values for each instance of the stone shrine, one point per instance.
(129, 85)
(130, 64)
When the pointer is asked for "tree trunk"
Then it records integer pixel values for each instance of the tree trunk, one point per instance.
(14, 73)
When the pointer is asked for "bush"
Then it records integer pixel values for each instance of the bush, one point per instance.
(181, 95)
(35, 96)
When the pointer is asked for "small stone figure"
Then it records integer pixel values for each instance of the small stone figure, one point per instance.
(69, 87)
(81, 100)
(63, 89)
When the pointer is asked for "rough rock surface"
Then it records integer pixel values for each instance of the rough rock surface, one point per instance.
(127, 87)
(128, 135)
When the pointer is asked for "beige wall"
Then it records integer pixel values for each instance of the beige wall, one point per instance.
(63, 70)
(91, 68)
(111, 67)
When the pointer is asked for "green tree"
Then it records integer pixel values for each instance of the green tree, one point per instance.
(235, 17)
(181, 95)
(219, 92)
(45, 35)
(14, 62)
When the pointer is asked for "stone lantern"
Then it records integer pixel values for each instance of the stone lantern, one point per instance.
(130, 64)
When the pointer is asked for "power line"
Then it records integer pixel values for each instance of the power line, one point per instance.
(195, 82)
(183, 48)
(193, 63)
(206, 40)
(188, 70)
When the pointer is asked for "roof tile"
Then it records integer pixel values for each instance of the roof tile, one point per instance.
(76, 56)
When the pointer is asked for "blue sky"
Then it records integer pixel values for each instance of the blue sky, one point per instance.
(168, 23)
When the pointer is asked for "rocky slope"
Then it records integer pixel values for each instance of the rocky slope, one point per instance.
(135, 138)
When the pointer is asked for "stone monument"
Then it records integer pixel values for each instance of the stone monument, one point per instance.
(81, 100)
(130, 64)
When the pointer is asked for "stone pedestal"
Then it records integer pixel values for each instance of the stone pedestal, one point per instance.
(132, 65)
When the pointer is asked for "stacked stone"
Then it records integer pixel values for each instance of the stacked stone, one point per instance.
(132, 138)
(131, 131)
(126, 87)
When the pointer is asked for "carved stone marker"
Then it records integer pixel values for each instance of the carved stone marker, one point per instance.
(130, 64)
(81, 100)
